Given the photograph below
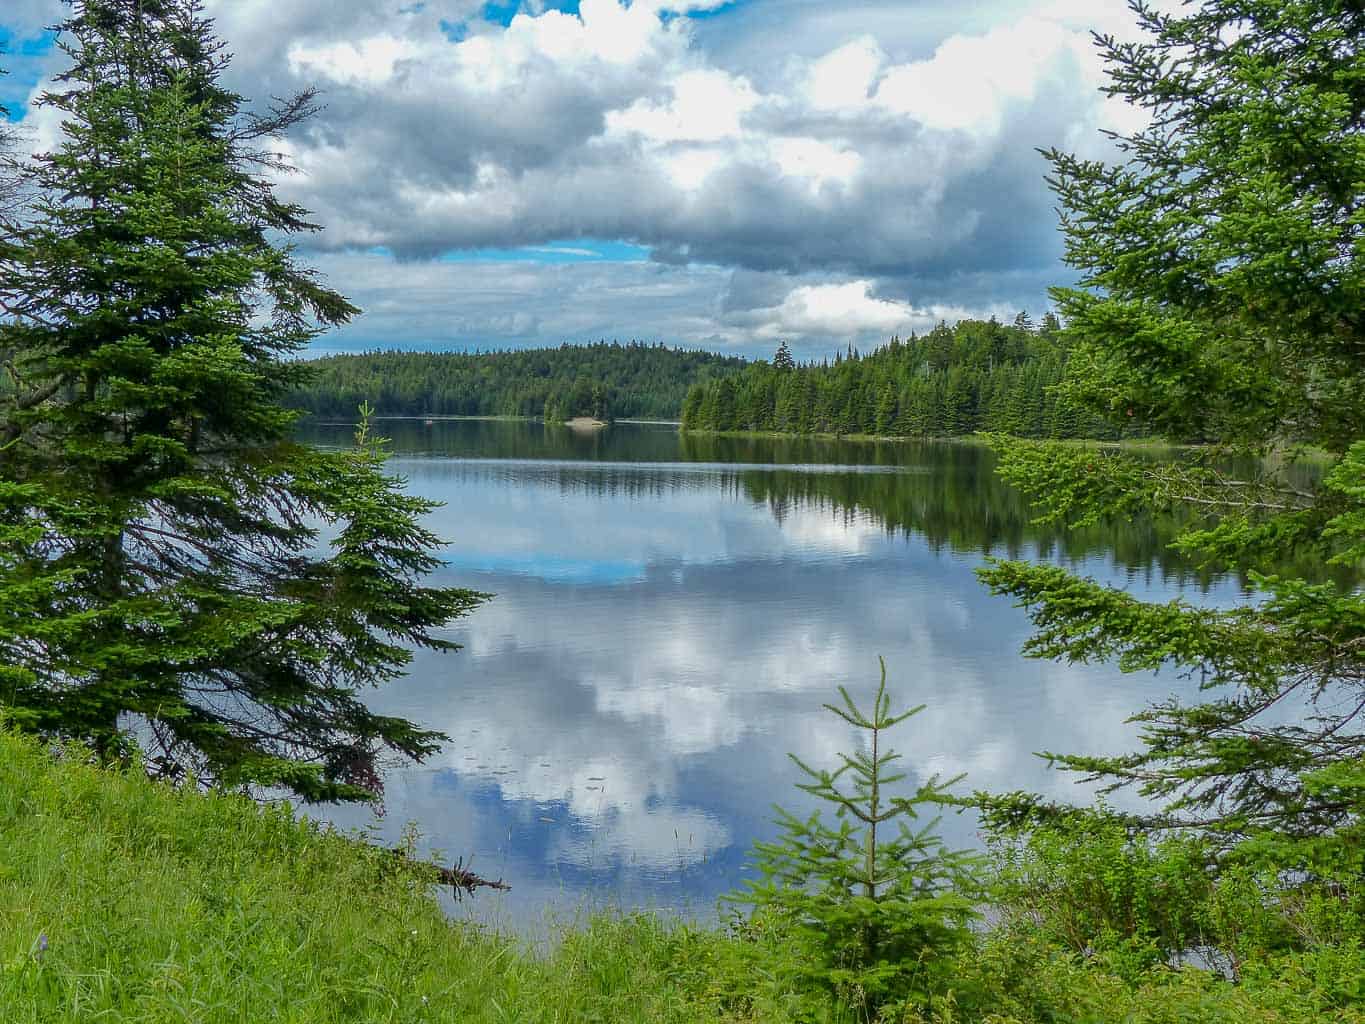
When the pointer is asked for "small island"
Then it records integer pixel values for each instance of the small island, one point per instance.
(585, 423)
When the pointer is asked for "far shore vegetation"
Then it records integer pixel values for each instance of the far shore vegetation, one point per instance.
(603, 380)
(977, 375)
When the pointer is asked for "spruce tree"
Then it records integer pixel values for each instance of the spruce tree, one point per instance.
(877, 907)
(175, 568)
(1222, 302)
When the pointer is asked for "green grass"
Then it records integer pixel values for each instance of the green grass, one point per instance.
(164, 905)
(161, 905)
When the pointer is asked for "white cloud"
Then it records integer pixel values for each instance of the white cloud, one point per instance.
(612, 123)
(844, 78)
(706, 105)
(815, 161)
(831, 308)
(972, 82)
(884, 161)
(444, 304)
(366, 62)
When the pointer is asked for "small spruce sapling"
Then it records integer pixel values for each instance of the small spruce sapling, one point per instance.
(877, 907)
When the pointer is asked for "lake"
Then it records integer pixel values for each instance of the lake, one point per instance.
(670, 614)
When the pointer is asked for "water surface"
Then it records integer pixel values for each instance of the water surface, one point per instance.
(672, 612)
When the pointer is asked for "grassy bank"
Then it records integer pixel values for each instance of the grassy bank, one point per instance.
(123, 900)
(158, 905)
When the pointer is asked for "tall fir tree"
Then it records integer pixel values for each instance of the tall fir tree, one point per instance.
(782, 359)
(1222, 301)
(174, 567)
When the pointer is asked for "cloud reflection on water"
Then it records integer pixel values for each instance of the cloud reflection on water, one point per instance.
(660, 639)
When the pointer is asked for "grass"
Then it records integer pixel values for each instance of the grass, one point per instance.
(124, 900)
(157, 904)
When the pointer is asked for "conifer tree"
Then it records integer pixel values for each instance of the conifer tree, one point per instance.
(886, 407)
(1222, 301)
(877, 906)
(174, 567)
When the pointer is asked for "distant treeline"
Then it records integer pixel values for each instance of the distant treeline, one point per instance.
(603, 380)
(977, 375)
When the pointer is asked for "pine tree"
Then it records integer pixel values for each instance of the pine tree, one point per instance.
(691, 408)
(1222, 301)
(886, 411)
(782, 359)
(174, 567)
(877, 908)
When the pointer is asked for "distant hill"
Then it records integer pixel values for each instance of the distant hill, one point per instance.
(602, 380)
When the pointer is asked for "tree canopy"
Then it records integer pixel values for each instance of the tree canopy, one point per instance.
(975, 375)
(604, 379)
(174, 567)
(1224, 265)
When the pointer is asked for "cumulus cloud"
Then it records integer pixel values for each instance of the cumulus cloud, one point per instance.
(873, 160)
(615, 122)
(640, 722)
(828, 308)
(442, 304)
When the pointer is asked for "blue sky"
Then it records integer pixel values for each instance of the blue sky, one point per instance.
(698, 172)
(24, 57)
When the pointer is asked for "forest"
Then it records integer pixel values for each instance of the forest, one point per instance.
(605, 380)
(979, 375)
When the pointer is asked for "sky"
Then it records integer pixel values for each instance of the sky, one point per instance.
(722, 174)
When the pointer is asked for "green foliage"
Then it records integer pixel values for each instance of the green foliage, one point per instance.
(603, 380)
(1221, 303)
(1094, 888)
(875, 909)
(1016, 978)
(977, 375)
(160, 571)
(125, 900)
(1086, 901)
(1222, 258)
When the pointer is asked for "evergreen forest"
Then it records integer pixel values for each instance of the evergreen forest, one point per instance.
(605, 380)
(979, 375)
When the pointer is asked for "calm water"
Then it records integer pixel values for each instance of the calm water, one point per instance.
(670, 613)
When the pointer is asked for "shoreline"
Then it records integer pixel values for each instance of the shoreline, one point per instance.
(974, 438)
(1128, 444)
(446, 418)
(774, 435)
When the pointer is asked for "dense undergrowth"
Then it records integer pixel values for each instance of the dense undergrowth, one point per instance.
(124, 900)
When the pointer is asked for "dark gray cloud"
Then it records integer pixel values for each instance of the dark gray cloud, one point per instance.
(442, 304)
(875, 150)
(540, 132)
